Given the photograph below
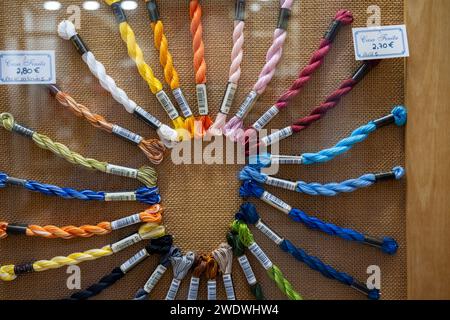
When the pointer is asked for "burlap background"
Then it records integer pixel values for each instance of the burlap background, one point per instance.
(201, 200)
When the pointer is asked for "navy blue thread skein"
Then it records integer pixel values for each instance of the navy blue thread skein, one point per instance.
(386, 244)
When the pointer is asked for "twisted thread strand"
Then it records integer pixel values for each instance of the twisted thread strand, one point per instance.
(237, 54)
(152, 215)
(144, 194)
(274, 273)
(318, 189)
(158, 246)
(344, 17)
(9, 272)
(168, 136)
(152, 148)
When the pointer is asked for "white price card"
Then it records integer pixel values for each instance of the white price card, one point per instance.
(381, 42)
(27, 67)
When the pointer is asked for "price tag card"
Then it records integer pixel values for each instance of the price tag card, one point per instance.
(381, 42)
(27, 67)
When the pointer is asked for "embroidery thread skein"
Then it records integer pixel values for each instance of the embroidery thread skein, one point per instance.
(398, 116)
(147, 231)
(203, 122)
(233, 129)
(237, 54)
(152, 214)
(152, 148)
(274, 273)
(330, 103)
(248, 214)
(239, 253)
(157, 246)
(160, 270)
(385, 244)
(212, 269)
(198, 269)
(145, 174)
(166, 60)
(145, 195)
(181, 264)
(342, 18)
(136, 54)
(224, 257)
(318, 189)
(67, 31)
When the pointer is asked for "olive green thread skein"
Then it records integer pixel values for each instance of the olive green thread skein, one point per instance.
(147, 175)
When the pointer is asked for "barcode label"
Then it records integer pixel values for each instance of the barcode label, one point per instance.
(122, 171)
(247, 268)
(148, 118)
(212, 290)
(125, 243)
(228, 284)
(260, 255)
(277, 136)
(172, 293)
(275, 202)
(266, 118)
(247, 105)
(126, 134)
(125, 222)
(154, 278)
(268, 232)
(193, 288)
(280, 183)
(167, 105)
(182, 103)
(202, 99)
(134, 261)
(120, 196)
(228, 98)
(286, 159)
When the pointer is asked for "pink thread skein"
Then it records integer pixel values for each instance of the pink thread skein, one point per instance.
(237, 55)
(234, 128)
(342, 18)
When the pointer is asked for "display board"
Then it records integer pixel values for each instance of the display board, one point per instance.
(200, 200)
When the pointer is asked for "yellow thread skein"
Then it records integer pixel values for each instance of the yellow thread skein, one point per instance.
(135, 53)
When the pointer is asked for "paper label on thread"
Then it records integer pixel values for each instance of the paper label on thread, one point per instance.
(247, 268)
(202, 99)
(193, 288)
(281, 183)
(277, 136)
(260, 255)
(125, 243)
(167, 105)
(247, 105)
(27, 67)
(120, 196)
(154, 278)
(275, 159)
(126, 134)
(228, 284)
(173, 290)
(212, 290)
(125, 222)
(384, 42)
(228, 99)
(122, 171)
(134, 261)
(275, 202)
(182, 102)
(266, 118)
(268, 232)
(148, 118)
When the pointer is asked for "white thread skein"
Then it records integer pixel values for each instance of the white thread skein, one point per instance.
(66, 30)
